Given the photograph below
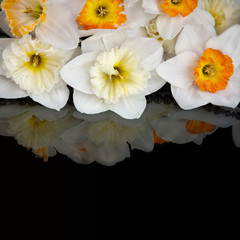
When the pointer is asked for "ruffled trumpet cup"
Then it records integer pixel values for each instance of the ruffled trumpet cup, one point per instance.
(107, 15)
(114, 73)
(206, 68)
(31, 68)
(42, 17)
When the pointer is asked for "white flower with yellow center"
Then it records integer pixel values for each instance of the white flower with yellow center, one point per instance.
(39, 129)
(173, 15)
(114, 73)
(225, 12)
(31, 68)
(53, 21)
(206, 68)
(106, 137)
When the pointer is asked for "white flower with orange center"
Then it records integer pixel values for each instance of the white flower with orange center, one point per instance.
(31, 68)
(181, 126)
(48, 19)
(106, 15)
(114, 73)
(206, 68)
(173, 15)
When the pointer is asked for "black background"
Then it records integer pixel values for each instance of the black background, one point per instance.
(67, 196)
(82, 197)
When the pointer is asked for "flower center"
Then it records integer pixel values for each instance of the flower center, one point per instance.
(175, 7)
(117, 74)
(152, 31)
(176, 1)
(102, 11)
(23, 16)
(208, 70)
(35, 60)
(35, 13)
(105, 14)
(213, 71)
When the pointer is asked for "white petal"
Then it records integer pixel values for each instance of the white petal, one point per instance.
(173, 130)
(109, 155)
(76, 72)
(229, 43)
(130, 107)
(9, 89)
(143, 141)
(155, 83)
(87, 103)
(168, 27)
(236, 134)
(152, 6)
(4, 25)
(178, 71)
(228, 97)
(103, 42)
(136, 17)
(129, 3)
(59, 28)
(149, 50)
(188, 98)
(5, 42)
(194, 38)
(201, 16)
(55, 99)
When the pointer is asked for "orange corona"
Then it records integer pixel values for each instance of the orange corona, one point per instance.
(23, 16)
(197, 127)
(104, 14)
(213, 71)
(175, 7)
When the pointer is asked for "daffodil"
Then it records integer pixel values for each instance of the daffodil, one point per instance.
(53, 21)
(173, 15)
(206, 68)
(225, 12)
(180, 126)
(29, 67)
(114, 73)
(105, 137)
(107, 15)
(39, 129)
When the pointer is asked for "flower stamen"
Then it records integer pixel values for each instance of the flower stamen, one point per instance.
(208, 70)
(102, 11)
(35, 60)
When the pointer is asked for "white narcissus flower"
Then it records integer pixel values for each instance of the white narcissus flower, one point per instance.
(206, 68)
(29, 67)
(173, 15)
(39, 129)
(99, 16)
(225, 12)
(106, 137)
(53, 21)
(180, 126)
(114, 73)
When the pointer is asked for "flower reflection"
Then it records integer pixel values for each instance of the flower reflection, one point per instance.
(108, 138)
